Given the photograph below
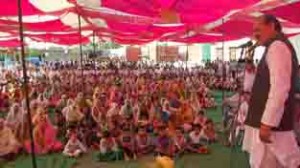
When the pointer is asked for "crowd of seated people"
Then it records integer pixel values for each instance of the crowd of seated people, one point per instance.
(119, 110)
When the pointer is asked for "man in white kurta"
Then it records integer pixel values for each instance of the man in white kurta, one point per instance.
(269, 148)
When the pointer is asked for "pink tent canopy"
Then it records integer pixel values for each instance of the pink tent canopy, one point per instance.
(11, 43)
(131, 41)
(87, 13)
(140, 21)
(237, 28)
(128, 36)
(47, 26)
(204, 38)
(192, 11)
(62, 39)
(290, 12)
(139, 28)
(10, 8)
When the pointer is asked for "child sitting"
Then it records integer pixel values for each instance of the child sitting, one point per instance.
(179, 141)
(164, 143)
(127, 141)
(74, 147)
(109, 150)
(143, 142)
(200, 119)
(195, 140)
(209, 131)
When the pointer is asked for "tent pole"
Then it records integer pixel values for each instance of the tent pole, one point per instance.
(94, 53)
(94, 42)
(80, 52)
(25, 82)
(187, 57)
(223, 68)
(187, 52)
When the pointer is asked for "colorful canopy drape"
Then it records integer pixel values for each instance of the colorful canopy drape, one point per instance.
(143, 21)
(290, 12)
(10, 43)
(62, 39)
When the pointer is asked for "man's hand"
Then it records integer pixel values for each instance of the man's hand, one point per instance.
(265, 133)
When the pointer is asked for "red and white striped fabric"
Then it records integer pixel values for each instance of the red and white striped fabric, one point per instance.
(142, 21)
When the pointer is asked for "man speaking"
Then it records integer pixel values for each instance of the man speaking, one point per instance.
(269, 136)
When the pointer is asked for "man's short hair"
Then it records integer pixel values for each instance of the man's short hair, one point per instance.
(268, 19)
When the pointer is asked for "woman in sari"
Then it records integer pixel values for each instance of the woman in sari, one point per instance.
(72, 113)
(42, 101)
(126, 110)
(195, 104)
(112, 112)
(44, 135)
(98, 109)
(9, 146)
(14, 116)
(4, 101)
(16, 121)
(82, 103)
(187, 113)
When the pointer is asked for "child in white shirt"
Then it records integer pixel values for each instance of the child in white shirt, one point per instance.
(74, 147)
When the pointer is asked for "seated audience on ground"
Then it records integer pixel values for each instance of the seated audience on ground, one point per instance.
(122, 110)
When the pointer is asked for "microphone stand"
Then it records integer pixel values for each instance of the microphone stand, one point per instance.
(232, 135)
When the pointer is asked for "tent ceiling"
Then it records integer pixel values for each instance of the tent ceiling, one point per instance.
(142, 21)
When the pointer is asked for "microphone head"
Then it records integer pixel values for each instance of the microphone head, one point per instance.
(248, 44)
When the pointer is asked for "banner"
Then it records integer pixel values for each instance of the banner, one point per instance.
(167, 53)
(133, 54)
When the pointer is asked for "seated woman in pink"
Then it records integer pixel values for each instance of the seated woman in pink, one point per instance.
(44, 135)
(9, 146)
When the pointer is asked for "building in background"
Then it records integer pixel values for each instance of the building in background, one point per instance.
(192, 53)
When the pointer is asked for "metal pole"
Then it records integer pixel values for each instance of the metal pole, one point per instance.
(94, 53)
(156, 49)
(223, 69)
(94, 42)
(187, 52)
(25, 82)
(80, 50)
(187, 57)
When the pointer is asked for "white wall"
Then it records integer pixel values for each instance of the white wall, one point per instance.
(296, 43)
(195, 53)
(227, 45)
(152, 50)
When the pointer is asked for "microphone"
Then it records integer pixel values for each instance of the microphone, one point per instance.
(248, 44)
(251, 51)
(252, 47)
